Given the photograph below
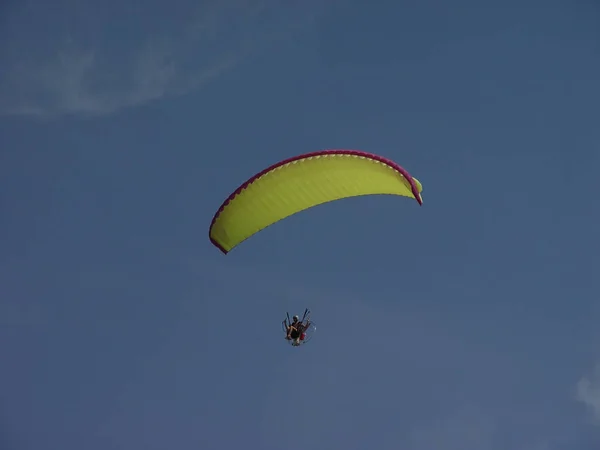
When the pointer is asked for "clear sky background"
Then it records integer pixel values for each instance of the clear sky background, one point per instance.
(470, 323)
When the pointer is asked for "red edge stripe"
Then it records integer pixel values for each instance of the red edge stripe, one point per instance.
(372, 156)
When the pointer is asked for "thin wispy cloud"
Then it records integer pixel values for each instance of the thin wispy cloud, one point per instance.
(588, 393)
(78, 78)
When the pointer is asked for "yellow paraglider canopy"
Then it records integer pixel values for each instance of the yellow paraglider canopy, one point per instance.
(299, 183)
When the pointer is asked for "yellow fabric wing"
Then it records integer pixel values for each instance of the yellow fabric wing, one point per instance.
(301, 183)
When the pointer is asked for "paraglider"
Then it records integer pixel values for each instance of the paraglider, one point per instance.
(299, 183)
(298, 332)
(302, 182)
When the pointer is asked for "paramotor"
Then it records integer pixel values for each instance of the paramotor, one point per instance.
(298, 332)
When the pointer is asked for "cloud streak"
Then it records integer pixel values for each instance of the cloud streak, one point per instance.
(588, 393)
(97, 79)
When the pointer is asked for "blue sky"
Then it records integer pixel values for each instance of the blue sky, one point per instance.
(468, 323)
